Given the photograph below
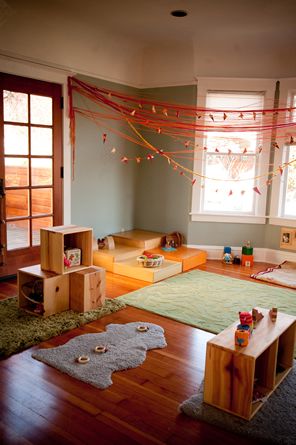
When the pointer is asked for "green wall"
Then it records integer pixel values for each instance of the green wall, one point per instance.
(103, 189)
(111, 196)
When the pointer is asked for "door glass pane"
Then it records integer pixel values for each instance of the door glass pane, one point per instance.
(38, 224)
(16, 140)
(17, 234)
(41, 110)
(41, 201)
(16, 172)
(41, 141)
(15, 106)
(17, 203)
(41, 171)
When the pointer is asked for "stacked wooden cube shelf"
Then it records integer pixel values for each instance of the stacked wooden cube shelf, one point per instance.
(80, 287)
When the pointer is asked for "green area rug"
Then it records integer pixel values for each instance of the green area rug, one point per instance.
(20, 330)
(209, 301)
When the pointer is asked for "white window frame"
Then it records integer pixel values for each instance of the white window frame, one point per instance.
(287, 92)
(266, 86)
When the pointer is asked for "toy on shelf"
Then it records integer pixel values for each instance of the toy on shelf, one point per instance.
(273, 314)
(73, 257)
(227, 256)
(236, 260)
(247, 255)
(246, 319)
(256, 316)
(101, 243)
(242, 336)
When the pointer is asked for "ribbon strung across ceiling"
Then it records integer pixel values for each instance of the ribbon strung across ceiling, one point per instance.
(184, 124)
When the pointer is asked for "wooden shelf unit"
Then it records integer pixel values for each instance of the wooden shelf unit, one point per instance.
(55, 290)
(54, 241)
(233, 373)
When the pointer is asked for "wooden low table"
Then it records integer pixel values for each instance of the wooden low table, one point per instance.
(188, 256)
(233, 373)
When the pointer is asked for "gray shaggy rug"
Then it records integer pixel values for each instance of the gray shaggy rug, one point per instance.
(125, 345)
(274, 423)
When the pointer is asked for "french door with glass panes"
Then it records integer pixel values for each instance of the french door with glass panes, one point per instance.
(30, 167)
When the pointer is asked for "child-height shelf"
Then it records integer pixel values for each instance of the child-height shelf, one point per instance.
(55, 240)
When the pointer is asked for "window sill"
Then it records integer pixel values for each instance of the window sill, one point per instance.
(277, 221)
(241, 219)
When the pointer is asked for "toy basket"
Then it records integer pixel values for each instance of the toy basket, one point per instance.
(150, 260)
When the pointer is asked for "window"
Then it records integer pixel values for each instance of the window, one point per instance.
(283, 199)
(234, 163)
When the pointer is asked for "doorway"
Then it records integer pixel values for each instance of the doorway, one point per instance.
(31, 173)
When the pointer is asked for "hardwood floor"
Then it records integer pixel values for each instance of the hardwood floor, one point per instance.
(40, 405)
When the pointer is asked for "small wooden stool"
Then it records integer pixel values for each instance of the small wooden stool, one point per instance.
(87, 289)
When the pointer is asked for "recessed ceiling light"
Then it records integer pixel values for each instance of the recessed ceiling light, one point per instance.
(179, 13)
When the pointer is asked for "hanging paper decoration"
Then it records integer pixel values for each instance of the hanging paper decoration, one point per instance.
(257, 190)
(179, 122)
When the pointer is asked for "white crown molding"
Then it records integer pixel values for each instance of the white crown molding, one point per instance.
(261, 254)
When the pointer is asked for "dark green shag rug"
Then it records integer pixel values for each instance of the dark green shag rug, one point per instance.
(20, 330)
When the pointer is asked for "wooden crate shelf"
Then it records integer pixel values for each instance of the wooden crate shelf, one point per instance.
(54, 289)
(233, 373)
(55, 240)
(87, 289)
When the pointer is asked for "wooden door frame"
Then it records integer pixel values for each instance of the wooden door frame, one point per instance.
(27, 256)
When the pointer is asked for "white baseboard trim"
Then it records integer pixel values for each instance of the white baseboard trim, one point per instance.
(261, 254)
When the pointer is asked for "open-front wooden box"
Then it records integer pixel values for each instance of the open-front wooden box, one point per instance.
(239, 379)
(55, 240)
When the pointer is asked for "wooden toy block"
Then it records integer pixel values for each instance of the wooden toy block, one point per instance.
(87, 289)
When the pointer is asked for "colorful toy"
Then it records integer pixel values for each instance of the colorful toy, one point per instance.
(246, 319)
(242, 337)
(247, 255)
(236, 259)
(227, 255)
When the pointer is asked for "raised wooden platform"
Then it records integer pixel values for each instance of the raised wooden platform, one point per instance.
(129, 245)
(188, 256)
(106, 258)
(139, 238)
(131, 268)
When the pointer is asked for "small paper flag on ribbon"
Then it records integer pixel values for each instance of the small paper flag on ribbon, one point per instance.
(181, 173)
(205, 148)
(193, 181)
(281, 170)
(275, 144)
(257, 190)
(138, 160)
(159, 130)
(177, 114)
(268, 182)
(230, 193)
(133, 112)
(216, 191)
(175, 167)
(245, 151)
(149, 157)
(104, 137)
(241, 115)
(229, 151)
(216, 150)
(165, 112)
(140, 106)
(212, 117)
(254, 115)
(260, 149)
(224, 116)
(113, 150)
(153, 109)
(291, 140)
(187, 144)
(198, 116)
(124, 159)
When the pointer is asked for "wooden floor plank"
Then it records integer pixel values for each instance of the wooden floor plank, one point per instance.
(40, 405)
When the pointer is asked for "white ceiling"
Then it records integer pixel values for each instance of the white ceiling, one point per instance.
(139, 42)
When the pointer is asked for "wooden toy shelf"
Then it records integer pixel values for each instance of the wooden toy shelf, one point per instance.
(234, 374)
(53, 289)
(55, 240)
